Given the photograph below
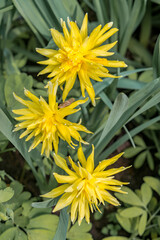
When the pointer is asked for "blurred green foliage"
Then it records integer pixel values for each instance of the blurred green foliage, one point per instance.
(131, 116)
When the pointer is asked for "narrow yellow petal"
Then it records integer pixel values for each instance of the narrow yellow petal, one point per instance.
(81, 156)
(58, 38)
(46, 52)
(106, 36)
(84, 27)
(105, 163)
(91, 94)
(74, 207)
(61, 162)
(90, 161)
(56, 191)
(64, 201)
(68, 86)
(64, 179)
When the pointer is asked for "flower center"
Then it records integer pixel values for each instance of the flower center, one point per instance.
(71, 58)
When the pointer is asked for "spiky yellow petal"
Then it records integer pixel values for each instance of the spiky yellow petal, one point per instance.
(79, 55)
(45, 121)
(84, 187)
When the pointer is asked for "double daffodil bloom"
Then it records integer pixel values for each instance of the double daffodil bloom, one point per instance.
(85, 188)
(80, 55)
(46, 122)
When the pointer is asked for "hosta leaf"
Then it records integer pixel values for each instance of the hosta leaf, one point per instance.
(132, 212)
(142, 224)
(154, 183)
(130, 198)
(6, 194)
(146, 193)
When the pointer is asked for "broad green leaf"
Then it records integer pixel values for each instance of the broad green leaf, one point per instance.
(139, 141)
(142, 223)
(156, 59)
(115, 238)
(77, 232)
(45, 221)
(150, 161)
(9, 234)
(132, 212)
(140, 159)
(124, 222)
(154, 183)
(153, 204)
(39, 234)
(16, 83)
(21, 221)
(130, 198)
(6, 194)
(62, 225)
(20, 235)
(146, 192)
(131, 152)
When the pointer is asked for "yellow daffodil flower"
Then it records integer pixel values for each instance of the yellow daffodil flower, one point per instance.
(84, 187)
(45, 121)
(80, 55)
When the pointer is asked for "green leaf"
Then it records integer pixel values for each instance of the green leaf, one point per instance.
(139, 141)
(21, 221)
(142, 224)
(16, 83)
(150, 161)
(156, 59)
(40, 234)
(140, 159)
(146, 192)
(20, 235)
(9, 234)
(45, 221)
(154, 183)
(6, 194)
(118, 109)
(6, 128)
(131, 152)
(123, 139)
(45, 204)
(77, 232)
(124, 222)
(131, 212)
(62, 225)
(115, 238)
(130, 198)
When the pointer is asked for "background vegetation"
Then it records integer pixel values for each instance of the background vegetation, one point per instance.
(128, 120)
